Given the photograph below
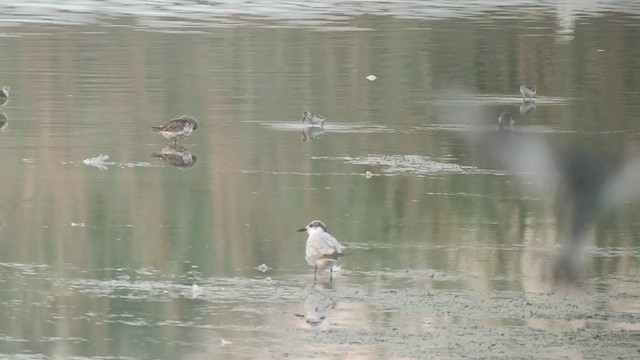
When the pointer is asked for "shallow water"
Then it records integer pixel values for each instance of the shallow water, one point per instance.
(109, 253)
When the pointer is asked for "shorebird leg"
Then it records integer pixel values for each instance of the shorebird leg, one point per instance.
(315, 268)
(331, 273)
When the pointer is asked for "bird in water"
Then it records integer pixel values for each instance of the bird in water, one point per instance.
(178, 128)
(4, 95)
(506, 121)
(314, 119)
(528, 91)
(322, 248)
(177, 156)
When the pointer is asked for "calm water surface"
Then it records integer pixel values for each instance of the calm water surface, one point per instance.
(134, 257)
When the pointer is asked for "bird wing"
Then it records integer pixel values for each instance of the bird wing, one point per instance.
(322, 245)
(331, 244)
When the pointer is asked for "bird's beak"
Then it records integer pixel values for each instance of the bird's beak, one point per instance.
(301, 230)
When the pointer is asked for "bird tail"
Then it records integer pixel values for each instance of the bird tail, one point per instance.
(156, 128)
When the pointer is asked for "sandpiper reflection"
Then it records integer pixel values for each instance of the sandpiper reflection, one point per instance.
(313, 133)
(4, 122)
(4, 95)
(528, 107)
(176, 155)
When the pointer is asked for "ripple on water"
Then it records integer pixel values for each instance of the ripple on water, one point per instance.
(315, 14)
(409, 164)
(334, 127)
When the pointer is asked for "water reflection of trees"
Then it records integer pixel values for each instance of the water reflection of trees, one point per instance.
(225, 77)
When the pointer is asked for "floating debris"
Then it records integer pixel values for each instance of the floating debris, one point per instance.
(99, 161)
(195, 291)
(262, 268)
(78, 224)
(403, 164)
(368, 175)
(224, 342)
(371, 77)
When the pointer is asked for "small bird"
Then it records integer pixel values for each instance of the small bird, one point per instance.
(528, 91)
(4, 95)
(177, 156)
(322, 249)
(314, 119)
(506, 121)
(178, 128)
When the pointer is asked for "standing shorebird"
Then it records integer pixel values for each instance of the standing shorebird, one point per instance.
(528, 91)
(506, 121)
(179, 128)
(4, 95)
(322, 249)
(314, 119)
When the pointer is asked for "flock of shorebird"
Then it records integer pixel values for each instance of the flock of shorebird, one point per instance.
(322, 249)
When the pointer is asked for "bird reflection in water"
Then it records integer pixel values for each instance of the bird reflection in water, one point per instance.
(319, 303)
(4, 95)
(528, 107)
(176, 155)
(313, 133)
(4, 122)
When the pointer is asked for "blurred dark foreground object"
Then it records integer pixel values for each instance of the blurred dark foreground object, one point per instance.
(584, 180)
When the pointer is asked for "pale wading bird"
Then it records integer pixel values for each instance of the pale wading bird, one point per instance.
(528, 91)
(4, 95)
(178, 128)
(322, 249)
(176, 155)
(313, 119)
(506, 121)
